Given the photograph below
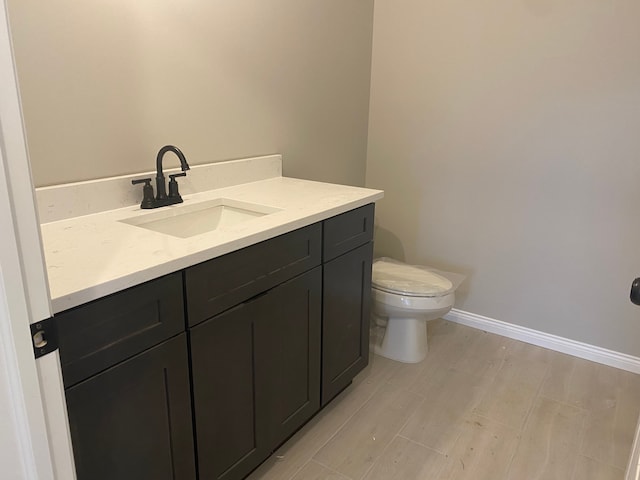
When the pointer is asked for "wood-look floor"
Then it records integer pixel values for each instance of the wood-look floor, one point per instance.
(479, 407)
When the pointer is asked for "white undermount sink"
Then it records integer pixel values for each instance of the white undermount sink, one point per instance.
(187, 220)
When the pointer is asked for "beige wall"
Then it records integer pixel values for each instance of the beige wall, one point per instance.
(105, 84)
(506, 137)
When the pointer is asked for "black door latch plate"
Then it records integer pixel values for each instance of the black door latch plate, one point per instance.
(44, 337)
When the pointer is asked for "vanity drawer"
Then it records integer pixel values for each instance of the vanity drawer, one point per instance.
(101, 333)
(216, 285)
(347, 231)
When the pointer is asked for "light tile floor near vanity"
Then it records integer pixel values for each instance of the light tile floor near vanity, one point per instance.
(479, 407)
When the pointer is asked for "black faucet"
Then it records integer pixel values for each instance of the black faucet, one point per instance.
(161, 199)
(160, 185)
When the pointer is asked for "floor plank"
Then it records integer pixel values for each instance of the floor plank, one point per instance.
(450, 397)
(406, 459)
(482, 452)
(358, 444)
(550, 442)
(589, 469)
(314, 471)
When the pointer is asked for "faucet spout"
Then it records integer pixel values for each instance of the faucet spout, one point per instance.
(160, 183)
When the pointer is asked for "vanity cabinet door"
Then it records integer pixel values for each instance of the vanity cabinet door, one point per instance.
(288, 355)
(228, 400)
(345, 319)
(256, 376)
(133, 420)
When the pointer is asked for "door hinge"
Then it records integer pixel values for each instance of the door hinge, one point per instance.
(44, 336)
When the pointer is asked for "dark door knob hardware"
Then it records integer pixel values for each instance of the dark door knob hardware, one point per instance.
(635, 291)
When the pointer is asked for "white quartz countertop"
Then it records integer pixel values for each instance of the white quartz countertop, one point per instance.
(95, 255)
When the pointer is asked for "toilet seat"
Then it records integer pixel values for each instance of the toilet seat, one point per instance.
(413, 303)
(408, 280)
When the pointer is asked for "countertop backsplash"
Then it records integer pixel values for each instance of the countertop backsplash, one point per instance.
(59, 202)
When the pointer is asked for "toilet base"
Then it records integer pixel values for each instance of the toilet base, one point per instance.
(404, 340)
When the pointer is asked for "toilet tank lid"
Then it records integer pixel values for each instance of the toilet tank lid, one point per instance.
(416, 280)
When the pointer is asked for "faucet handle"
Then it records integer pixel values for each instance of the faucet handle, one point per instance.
(147, 192)
(141, 180)
(173, 186)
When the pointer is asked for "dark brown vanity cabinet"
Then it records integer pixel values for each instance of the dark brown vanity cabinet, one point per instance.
(256, 365)
(126, 374)
(272, 332)
(348, 251)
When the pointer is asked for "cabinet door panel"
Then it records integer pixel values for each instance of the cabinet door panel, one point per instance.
(227, 401)
(133, 421)
(345, 319)
(288, 354)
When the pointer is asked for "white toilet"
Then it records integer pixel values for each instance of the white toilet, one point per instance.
(405, 297)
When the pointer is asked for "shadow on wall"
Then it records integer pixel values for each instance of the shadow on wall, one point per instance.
(387, 244)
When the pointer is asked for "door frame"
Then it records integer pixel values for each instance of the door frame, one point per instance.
(38, 426)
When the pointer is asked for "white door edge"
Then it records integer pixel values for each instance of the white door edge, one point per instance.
(36, 420)
(633, 468)
(25, 424)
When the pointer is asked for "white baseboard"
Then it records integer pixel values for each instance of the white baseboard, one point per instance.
(546, 340)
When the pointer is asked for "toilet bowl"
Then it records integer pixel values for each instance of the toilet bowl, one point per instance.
(405, 297)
